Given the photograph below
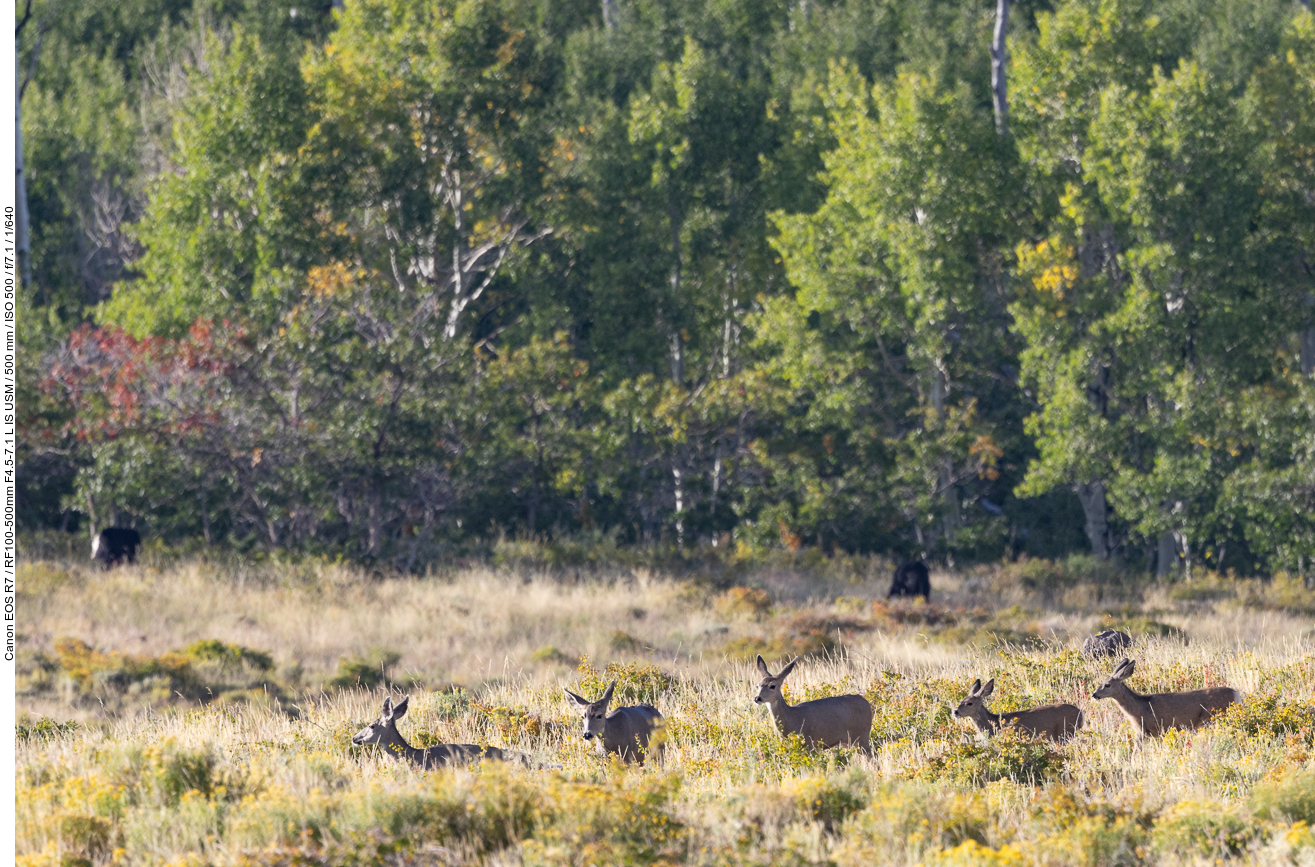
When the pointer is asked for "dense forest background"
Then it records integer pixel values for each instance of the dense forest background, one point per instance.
(393, 280)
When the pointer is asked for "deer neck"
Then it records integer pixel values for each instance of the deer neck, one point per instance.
(396, 745)
(787, 717)
(985, 720)
(613, 733)
(1133, 704)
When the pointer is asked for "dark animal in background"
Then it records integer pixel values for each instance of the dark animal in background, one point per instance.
(114, 545)
(911, 579)
(1107, 643)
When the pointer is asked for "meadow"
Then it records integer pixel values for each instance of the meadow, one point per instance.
(198, 711)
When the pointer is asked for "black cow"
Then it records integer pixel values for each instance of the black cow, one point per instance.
(911, 579)
(114, 545)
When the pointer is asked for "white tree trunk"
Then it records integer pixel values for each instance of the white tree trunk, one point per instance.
(1092, 497)
(999, 56)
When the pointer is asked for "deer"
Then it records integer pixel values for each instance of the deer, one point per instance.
(1054, 721)
(626, 732)
(826, 722)
(1151, 715)
(383, 732)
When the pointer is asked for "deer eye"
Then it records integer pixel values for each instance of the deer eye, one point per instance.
(773, 686)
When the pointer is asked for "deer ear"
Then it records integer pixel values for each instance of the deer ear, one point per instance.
(387, 712)
(975, 688)
(1127, 668)
(789, 668)
(399, 709)
(575, 699)
(762, 667)
(988, 689)
(607, 694)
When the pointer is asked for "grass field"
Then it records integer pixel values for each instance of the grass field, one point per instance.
(193, 712)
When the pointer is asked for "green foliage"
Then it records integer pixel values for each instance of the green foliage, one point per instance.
(229, 655)
(917, 819)
(1201, 828)
(636, 682)
(607, 823)
(366, 672)
(743, 602)
(1091, 833)
(1010, 755)
(46, 728)
(412, 281)
(1270, 714)
(205, 671)
(1288, 796)
(831, 801)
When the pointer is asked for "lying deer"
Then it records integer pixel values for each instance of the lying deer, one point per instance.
(1150, 715)
(1055, 721)
(384, 733)
(626, 732)
(827, 722)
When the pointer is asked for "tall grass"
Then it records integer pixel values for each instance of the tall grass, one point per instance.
(223, 777)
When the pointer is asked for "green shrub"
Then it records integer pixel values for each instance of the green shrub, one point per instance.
(1290, 797)
(622, 641)
(1010, 627)
(1194, 828)
(779, 647)
(970, 853)
(1204, 587)
(1010, 755)
(915, 708)
(1138, 625)
(902, 821)
(550, 653)
(607, 823)
(743, 602)
(45, 728)
(229, 655)
(1270, 714)
(1284, 593)
(636, 682)
(367, 671)
(1087, 833)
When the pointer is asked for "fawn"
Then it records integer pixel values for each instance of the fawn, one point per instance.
(1055, 721)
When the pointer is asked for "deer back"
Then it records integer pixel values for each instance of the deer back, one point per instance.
(839, 719)
(1054, 721)
(1186, 710)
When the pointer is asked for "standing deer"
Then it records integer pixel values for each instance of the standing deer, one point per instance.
(827, 722)
(1055, 721)
(1150, 715)
(383, 732)
(625, 732)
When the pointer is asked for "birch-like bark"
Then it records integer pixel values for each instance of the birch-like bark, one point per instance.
(1308, 351)
(999, 90)
(1167, 554)
(1092, 497)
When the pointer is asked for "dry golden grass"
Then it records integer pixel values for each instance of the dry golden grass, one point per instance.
(209, 781)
